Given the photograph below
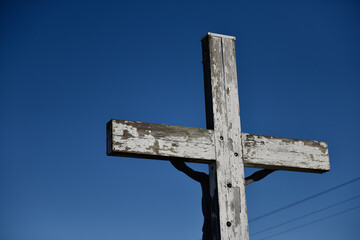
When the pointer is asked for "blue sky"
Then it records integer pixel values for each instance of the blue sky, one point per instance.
(68, 67)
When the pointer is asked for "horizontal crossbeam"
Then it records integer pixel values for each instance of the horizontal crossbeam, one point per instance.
(166, 142)
(158, 141)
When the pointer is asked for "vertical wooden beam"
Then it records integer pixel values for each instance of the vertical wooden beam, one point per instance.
(222, 105)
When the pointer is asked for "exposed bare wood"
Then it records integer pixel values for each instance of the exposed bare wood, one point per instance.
(285, 154)
(158, 141)
(215, 220)
(222, 145)
(229, 172)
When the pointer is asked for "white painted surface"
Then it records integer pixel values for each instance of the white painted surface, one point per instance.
(227, 134)
(225, 148)
(285, 154)
(157, 141)
(135, 139)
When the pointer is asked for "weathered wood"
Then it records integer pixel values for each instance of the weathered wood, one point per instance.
(229, 174)
(158, 141)
(285, 153)
(222, 145)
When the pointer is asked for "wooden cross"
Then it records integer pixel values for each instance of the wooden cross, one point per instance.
(222, 145)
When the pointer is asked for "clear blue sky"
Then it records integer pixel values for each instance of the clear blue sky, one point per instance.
(67, 67)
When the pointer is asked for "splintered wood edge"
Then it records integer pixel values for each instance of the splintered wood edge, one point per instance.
(165, 142)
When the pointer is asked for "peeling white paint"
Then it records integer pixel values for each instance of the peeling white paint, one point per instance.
(226, 148)
(198, 146)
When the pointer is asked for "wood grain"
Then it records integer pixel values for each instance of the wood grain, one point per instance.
(229, 171)
(158, 141)
(285, 153)
(138, 140)
(222, 145)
